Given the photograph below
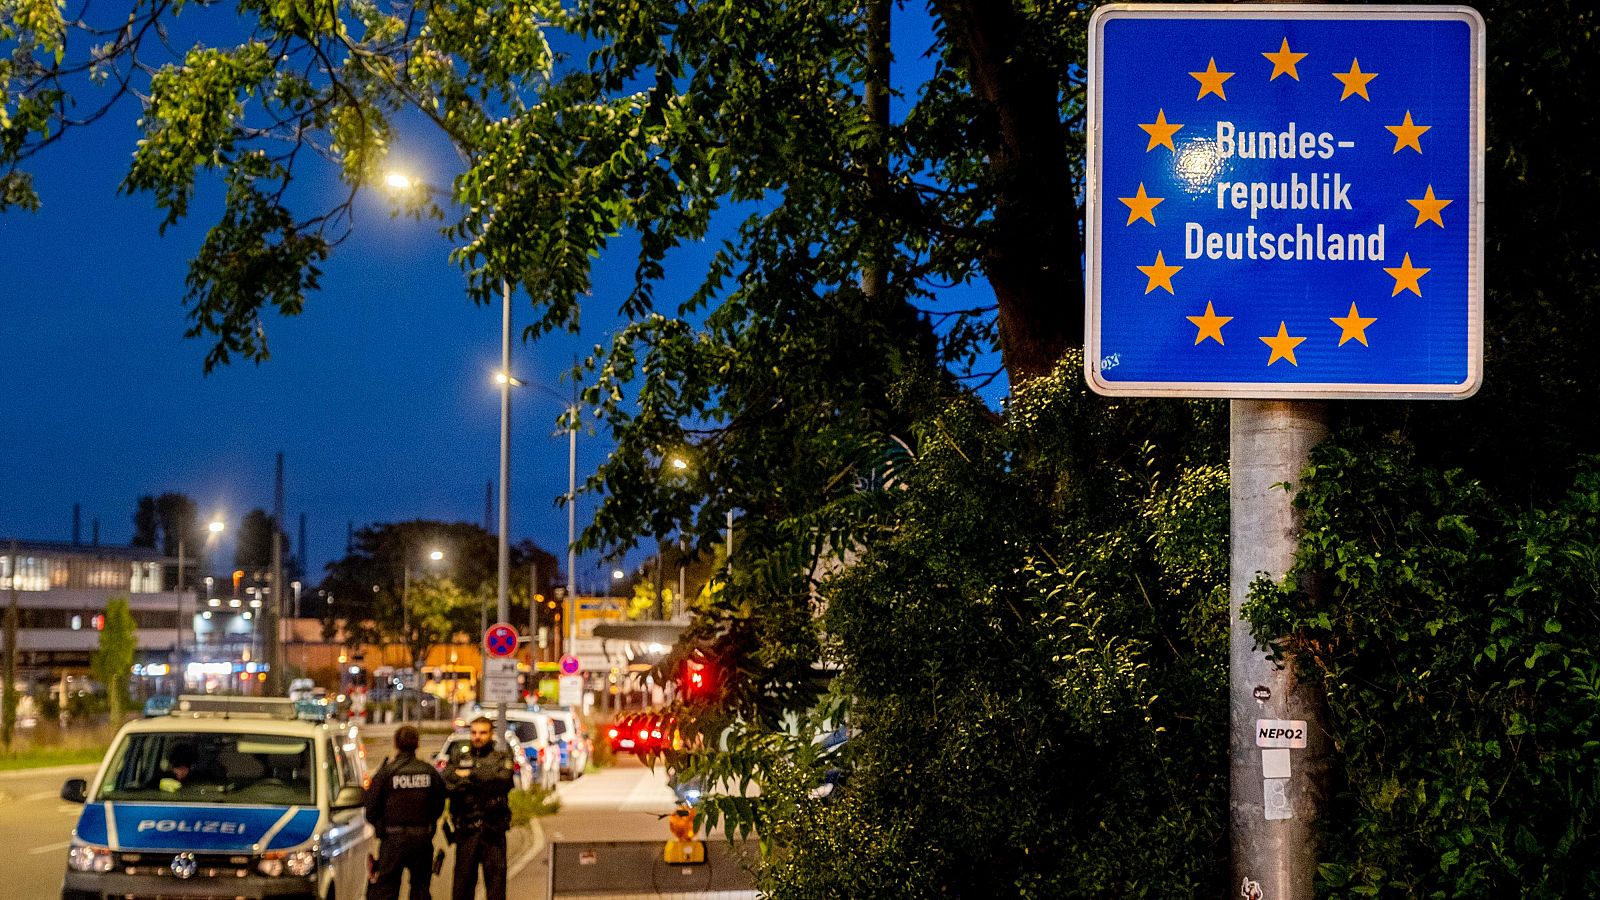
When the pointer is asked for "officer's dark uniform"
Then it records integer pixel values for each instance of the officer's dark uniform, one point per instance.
(481, 810)
(404, 801)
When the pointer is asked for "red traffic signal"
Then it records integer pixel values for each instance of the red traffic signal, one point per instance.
(697, 679)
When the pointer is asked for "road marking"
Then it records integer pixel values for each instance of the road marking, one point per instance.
(41, 795)
(50, 848)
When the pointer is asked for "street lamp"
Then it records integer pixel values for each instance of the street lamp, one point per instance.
(507, 381)
(215, 527)
(434, 555)
(400, 182)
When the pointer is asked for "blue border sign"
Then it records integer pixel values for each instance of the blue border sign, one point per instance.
(1285, 201)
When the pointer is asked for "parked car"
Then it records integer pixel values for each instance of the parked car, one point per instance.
(537, 735)
(223, 797)
(643, 733)
(459, 744)
(572, 739)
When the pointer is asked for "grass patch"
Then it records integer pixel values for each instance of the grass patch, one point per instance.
(49, 744)
(528, 805)
(40, 757)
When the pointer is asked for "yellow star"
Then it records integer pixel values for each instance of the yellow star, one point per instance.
(1406, 134)
(1160, 274)
(1211, 80)
(1353, 326)
(1160, 132)
(1282, 345)
(1210, 324)
(1428, 208)
(1355, 81)
(1142, 206)
(1405, 277)
(1283, 62)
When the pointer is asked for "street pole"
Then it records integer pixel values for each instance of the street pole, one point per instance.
(503, 608)
(1277, 794)
(11, 697)
(681, 604)
(405, 623)
(177, 663)
(572, 525)
(276, 685)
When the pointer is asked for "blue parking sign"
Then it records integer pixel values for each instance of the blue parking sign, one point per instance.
(1285, 201)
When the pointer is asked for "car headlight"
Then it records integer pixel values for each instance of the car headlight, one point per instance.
(86, 858)
(298, 862)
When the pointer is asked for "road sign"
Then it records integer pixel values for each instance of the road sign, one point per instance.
(499, 681)
(570, 691)
(501, 640)
(570, 665)
(1285, 201)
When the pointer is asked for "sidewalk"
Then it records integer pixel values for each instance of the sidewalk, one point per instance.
(523, 846)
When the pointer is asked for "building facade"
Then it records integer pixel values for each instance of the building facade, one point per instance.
(61, 591)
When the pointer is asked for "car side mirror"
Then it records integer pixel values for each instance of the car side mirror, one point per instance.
(76, 790)
(349, 797)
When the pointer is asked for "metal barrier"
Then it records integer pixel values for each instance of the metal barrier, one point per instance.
(634, 870)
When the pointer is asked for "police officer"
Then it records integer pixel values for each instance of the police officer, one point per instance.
(479, 781)
(404, 801)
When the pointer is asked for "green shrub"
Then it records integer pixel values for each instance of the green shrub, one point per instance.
(1458, 650)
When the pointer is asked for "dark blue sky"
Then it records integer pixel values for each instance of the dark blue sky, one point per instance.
(379, 394)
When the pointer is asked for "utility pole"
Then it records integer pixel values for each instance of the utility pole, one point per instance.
(572, 516)
(272, 609)
(8, 720)
(503, 606)
(178, 670)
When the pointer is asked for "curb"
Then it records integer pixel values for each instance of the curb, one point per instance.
(536, 845)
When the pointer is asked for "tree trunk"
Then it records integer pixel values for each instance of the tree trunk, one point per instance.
(1034, 251)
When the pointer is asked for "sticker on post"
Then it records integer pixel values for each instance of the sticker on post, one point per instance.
(1275, 799)
(1275, 763)
(1282, 733)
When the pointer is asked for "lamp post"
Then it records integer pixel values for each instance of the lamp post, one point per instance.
(401, 183)
(215, 528)
(405, 607)
(508, 381)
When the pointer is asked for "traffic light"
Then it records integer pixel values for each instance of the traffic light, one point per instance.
(697, 679)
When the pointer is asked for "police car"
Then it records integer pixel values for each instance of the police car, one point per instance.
(224, 797)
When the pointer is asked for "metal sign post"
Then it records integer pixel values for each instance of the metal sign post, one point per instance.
(500, 644)
(1284, 204)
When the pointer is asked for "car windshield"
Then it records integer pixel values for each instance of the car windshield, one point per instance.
(202, 767)
(559, 725)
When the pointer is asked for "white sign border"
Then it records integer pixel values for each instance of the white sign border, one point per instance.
(1287, 390)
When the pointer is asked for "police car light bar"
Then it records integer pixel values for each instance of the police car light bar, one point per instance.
(216, 706)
